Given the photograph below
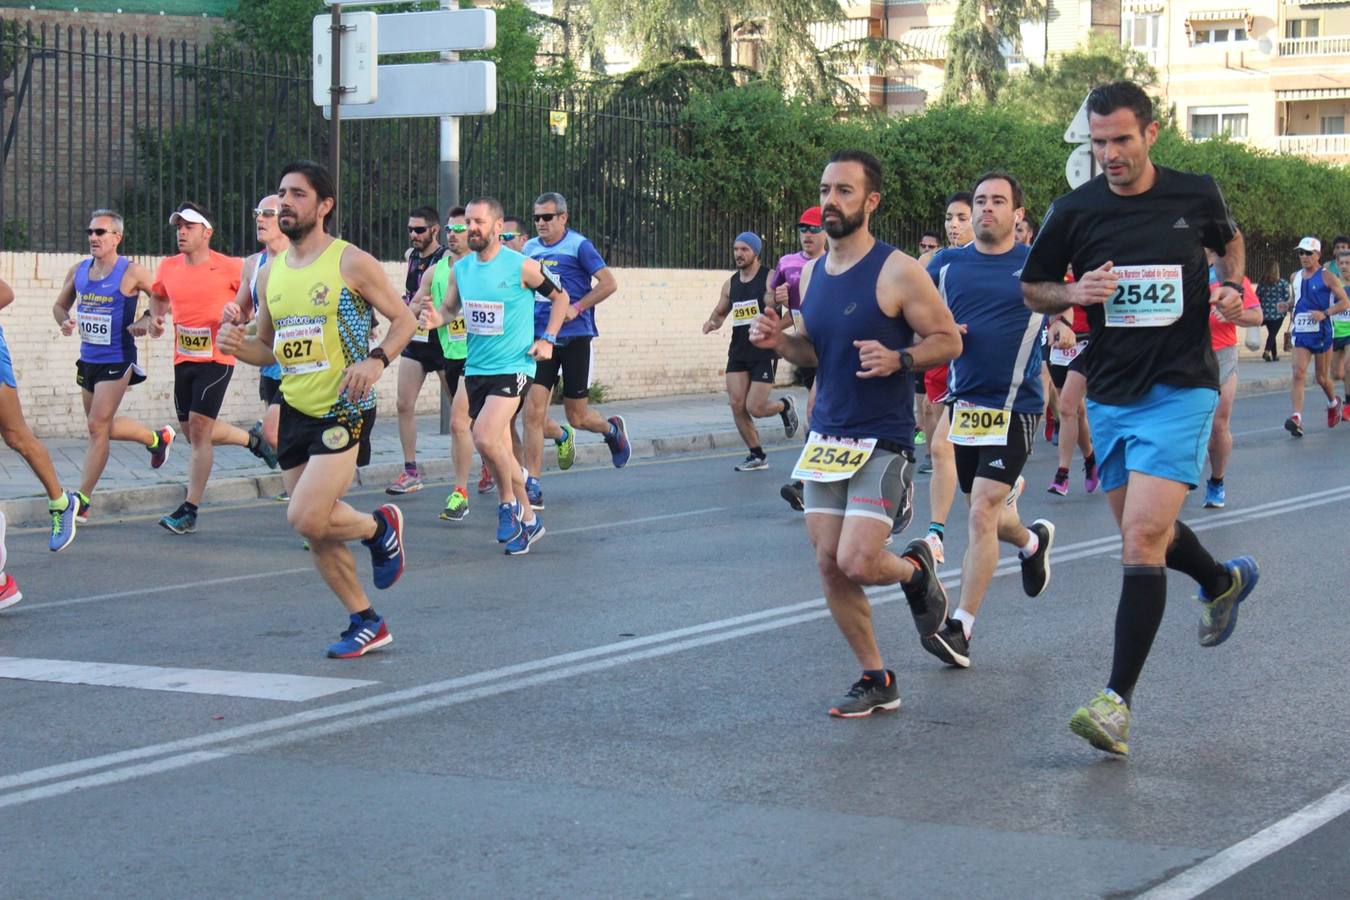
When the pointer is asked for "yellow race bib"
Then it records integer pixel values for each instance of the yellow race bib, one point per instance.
(827, 459)
(743, 312)
(194, 343)
(299, 349)
(979, 426)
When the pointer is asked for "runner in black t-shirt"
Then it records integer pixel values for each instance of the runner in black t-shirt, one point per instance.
(750, 369)
(1136, 237)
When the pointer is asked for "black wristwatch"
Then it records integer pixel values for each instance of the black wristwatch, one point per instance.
(378, 353)
(1233, 285)
(906, 361)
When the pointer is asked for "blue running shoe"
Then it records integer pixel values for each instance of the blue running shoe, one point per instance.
(617, 440)
(180, 521)
(63, 522)
(535, 493)
(361, 637)
(520, 544)
(1214, 495)
(508, 524)
(386, 550)
(1219, 616)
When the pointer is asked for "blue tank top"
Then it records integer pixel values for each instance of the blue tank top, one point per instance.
(102, 314)
(498, 314)
(274, 370)
(838, 310)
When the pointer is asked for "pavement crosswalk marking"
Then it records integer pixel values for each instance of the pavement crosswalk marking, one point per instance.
(253, 685)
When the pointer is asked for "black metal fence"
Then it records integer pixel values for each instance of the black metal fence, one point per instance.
(93, 119)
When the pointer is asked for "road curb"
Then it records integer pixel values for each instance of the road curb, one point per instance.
(165, 496)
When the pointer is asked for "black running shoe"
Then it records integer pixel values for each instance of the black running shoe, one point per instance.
(950, 645)
(868, 696)
(789, 417)
(928, 599)
(1036, 567)
(792, 493)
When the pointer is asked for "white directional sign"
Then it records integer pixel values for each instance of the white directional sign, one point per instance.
(1079, 169)
(1077, 132)
(430, 89)
(357, 58)
(437, 31)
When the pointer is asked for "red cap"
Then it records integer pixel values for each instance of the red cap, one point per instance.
(810, 217)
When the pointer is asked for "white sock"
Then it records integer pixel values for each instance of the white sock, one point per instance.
(1033, 544)
(967, 621)
(1332, 402)
(1297, 417)
(528, 523)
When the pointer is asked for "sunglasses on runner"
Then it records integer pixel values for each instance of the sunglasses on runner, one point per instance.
(810, 229)
(418, 229)
(508, 236)
(265, 213)
(1305, 253)
(99, 231)
(545, 217)
(457, 229)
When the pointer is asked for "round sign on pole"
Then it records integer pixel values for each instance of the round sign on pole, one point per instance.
(1079, 167)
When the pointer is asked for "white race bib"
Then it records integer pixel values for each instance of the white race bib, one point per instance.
(1342, 316)
(484, 316)
(1145, 297)
(95, 328)
(743, 312)
(299, 348)
(979, 426)
(1061, 357)
(1304, 323)
(827, 459)
(797, 319)
(194, 343)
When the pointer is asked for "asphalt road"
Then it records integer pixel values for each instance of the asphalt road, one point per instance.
(638, 707)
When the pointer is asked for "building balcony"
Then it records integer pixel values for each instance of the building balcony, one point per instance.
(830, 34)
(1314, 144)
(1331, 45)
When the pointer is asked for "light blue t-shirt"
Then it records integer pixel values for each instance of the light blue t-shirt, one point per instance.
(498, 314)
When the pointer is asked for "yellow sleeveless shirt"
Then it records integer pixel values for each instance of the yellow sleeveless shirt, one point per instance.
(320, 327)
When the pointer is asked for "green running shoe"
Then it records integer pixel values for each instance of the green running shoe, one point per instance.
(456, 506)
(1104, 723)
(567, 448)
(1218, 617)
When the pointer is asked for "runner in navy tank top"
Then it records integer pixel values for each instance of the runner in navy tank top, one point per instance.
(862, 304)
(98, 301)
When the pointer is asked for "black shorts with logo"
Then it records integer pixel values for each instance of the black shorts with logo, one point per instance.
(572, 357)
(300, 437)
(199, 387)
(88, 374)
(761, 370)
(1001, 463)
(480, 387)
(427, 352)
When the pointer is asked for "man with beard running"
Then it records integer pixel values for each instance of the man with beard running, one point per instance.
(862, 304)
(315, 322)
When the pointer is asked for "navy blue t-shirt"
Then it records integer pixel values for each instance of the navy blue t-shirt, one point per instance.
(1000, 361)
(573, 260)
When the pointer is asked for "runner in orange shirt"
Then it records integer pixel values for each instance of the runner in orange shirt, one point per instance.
(193, 287)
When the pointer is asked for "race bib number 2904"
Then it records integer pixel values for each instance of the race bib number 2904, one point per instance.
(1145, 297)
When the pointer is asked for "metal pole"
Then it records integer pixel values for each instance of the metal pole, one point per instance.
(447, 192)
(335, 123)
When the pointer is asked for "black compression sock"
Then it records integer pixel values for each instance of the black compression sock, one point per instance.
(877, 675)
(190, 507)
(757, 451)
(368, 614)
(1186, 554)
(1143, 597)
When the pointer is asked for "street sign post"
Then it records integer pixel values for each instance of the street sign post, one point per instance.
(457, 89)
(1081, 166)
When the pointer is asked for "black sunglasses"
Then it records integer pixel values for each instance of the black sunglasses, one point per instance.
(803, 228)
(418, 229)
(545, 217)
(99, 231)
(508, 236)
(1305, 253)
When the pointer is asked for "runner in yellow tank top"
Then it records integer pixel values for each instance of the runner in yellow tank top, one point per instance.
(316, 325)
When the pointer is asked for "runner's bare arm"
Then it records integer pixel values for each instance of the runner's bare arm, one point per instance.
(238, 309)
(905, 288)
(138, 280)
(796, 348)
(256, 349)
(1231, 267)
(720, 311)
(65, 299)
(605, 286)
(1342, 301)
(6, 294)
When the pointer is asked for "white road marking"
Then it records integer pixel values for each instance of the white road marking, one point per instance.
(1244, 854)
(254, 685)
(71, 776)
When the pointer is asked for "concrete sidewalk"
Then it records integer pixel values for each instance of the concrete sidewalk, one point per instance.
(658, 427)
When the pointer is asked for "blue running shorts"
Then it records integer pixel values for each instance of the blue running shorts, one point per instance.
(1165, 434)
(6, 364)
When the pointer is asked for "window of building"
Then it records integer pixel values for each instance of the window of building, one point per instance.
(1301, 28)
(1211, 121)
(1333, 124)
(1142, 31)
(1220, 34)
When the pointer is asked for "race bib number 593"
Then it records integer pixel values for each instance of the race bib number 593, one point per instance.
(484, 316)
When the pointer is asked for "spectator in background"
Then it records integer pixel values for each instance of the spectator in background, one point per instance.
(1273, 291)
